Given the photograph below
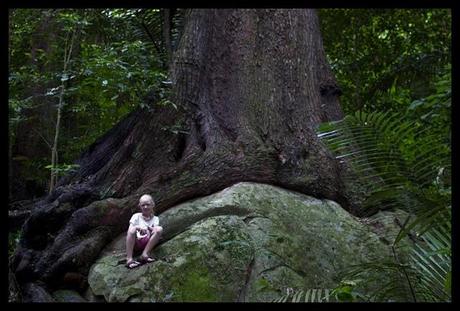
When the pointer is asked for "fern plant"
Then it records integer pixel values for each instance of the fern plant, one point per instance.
(309, 295)
(161, 34)
(398, 163)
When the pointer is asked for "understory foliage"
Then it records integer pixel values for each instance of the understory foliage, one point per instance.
(403, 161)
(117, 64)
(309, 295)
(376, 54)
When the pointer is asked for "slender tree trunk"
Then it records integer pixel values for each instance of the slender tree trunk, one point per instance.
(10, 165)
(167, 34)
(251, 87)
(54, 148)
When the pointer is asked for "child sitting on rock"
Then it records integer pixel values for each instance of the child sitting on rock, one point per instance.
(143, 234)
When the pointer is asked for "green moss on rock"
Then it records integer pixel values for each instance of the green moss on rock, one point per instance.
(249, 242)
(195, 286)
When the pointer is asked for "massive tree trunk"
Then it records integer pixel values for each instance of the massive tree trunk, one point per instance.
(251, 86)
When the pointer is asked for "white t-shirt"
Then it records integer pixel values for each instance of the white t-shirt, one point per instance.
(139, 220)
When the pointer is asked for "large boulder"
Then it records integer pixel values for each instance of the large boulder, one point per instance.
(250, 242)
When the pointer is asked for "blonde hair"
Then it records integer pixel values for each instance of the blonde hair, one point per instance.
(147, 197)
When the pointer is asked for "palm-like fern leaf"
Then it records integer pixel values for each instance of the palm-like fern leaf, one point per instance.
(150, 28)
(309, 295)
(399, 164)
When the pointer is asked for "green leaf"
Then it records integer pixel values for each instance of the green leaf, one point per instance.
(448, 282)
(416, 103)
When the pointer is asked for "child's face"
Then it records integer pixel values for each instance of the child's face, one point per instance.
(146, 206)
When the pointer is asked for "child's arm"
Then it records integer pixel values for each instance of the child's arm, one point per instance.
(137, 228)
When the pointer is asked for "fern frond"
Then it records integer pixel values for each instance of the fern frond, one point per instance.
(396, 163)
(309, 295)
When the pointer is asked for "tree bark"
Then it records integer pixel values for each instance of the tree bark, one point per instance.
(251, 87)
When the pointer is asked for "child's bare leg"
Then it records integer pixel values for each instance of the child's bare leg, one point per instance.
(154, 238)
(130, 240)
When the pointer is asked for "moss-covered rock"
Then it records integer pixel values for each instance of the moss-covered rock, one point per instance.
(249, 242)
